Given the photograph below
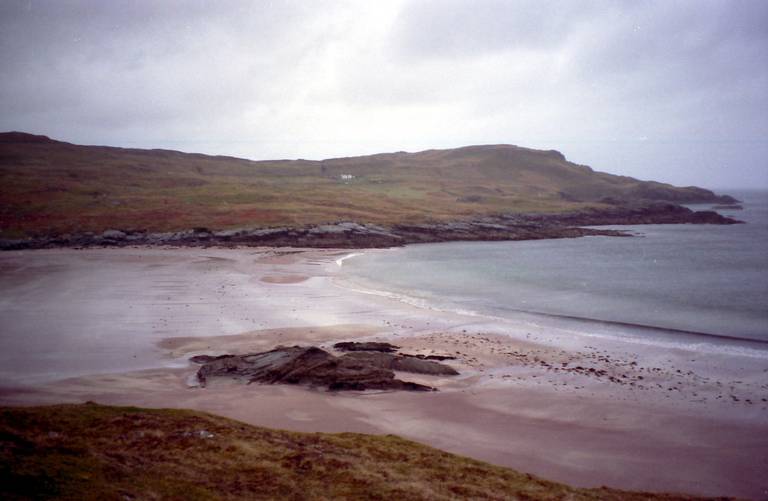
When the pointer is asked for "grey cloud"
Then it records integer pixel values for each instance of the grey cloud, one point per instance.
(654, 89)
(674, 36)
(461, 29)
(120, 62)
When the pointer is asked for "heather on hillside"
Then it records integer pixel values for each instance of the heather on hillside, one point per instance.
(51, 187)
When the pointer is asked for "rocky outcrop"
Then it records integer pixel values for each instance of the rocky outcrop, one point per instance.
(659, 213)
(366, 346)
(403, 363)
(651, 190)
(433, 357)
(315, 367)
(356, 235)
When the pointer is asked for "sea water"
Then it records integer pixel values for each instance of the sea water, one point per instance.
(669, 280)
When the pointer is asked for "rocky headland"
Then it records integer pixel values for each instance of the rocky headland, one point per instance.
(509, 226)
(57, 194)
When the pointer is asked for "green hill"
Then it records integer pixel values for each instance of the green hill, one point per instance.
(98, 452)
(51, 187)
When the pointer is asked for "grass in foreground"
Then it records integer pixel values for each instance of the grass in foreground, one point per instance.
(98, 452)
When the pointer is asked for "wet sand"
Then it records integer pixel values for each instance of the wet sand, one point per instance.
(117, 326)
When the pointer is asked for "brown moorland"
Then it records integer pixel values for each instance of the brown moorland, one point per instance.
(52, 188)
(91, 451)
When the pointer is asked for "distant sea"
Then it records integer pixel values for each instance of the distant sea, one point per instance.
(678, 281)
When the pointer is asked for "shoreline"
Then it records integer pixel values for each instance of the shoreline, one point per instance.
(353, 235)
(644, 417)
(627, 331)
(670, 334)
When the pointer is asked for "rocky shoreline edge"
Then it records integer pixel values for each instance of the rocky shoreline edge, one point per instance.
(356, 235)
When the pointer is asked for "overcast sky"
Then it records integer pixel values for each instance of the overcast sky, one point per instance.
(670, 90)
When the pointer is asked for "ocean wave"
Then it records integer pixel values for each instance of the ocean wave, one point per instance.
(700, 342)
(340, 261)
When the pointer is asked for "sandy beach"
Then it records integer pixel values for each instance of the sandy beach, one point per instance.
(117, 326)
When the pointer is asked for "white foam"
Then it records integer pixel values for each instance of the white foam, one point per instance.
(341, 260)
(720, 347)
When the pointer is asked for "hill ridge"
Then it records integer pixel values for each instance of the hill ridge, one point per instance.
(53, 187)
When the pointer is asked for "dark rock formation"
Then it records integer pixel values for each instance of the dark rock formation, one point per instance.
(368, 346)
(433, 357)
(403, 363)
(306, 366)
(204, 359)
(728, 207)
(354, 235)
(658, 213)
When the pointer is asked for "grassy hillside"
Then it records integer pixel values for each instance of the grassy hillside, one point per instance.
(97, 452)
(51, 187)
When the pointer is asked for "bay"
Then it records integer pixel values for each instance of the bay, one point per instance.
(680, 279)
